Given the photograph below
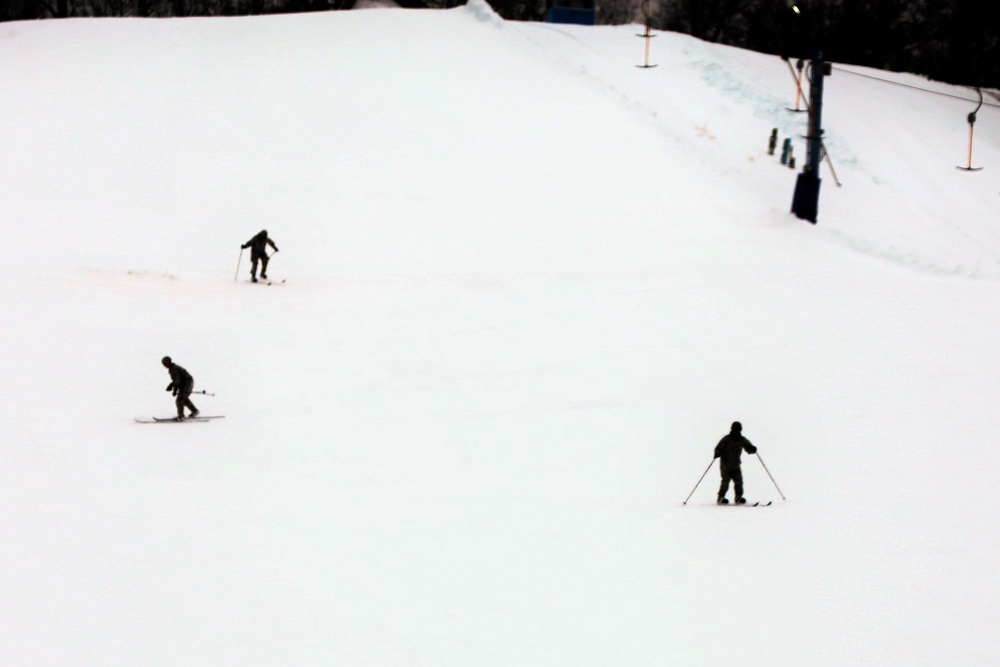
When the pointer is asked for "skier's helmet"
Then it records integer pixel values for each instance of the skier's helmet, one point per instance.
(166, 361)
(737, 427)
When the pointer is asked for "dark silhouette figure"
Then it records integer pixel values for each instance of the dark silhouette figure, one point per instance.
(258, 253)
(728, 452)
(181, 384)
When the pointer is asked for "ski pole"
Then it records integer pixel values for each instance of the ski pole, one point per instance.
(769, 475)
(699, 482)
(238, 265)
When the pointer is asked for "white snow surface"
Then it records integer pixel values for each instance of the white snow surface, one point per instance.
(529, 286)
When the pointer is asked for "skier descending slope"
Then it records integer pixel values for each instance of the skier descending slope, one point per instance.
(728, 452)
(181, 384)
(258, 253)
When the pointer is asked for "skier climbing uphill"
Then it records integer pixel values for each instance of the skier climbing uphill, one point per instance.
(728, 451)
(181, 384)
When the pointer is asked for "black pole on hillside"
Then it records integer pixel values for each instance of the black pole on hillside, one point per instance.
(805, 202)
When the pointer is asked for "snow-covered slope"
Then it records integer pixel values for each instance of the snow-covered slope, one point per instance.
(529, 285)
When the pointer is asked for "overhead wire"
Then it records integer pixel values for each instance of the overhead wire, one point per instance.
(911, 86)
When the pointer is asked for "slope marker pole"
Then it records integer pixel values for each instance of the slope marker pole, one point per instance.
(972, 121)
(646, 35)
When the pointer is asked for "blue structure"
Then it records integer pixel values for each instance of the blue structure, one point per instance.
(580, 12)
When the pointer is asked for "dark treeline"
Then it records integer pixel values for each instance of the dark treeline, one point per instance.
(957, 41)
(14, 10)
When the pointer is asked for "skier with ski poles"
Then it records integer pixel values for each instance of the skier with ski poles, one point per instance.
(728, 451)
(181, 384)
(258, 252)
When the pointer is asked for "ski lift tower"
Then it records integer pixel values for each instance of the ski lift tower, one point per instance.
(805, 202)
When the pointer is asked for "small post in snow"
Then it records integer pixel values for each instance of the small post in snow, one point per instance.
(800, 66)
(972, 121)
(646, 35)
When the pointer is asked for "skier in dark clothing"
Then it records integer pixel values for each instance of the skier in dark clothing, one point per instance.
(728, 452)
(258, 252)
(181, 384)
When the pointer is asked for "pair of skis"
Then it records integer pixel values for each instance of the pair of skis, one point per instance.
(177, 420)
